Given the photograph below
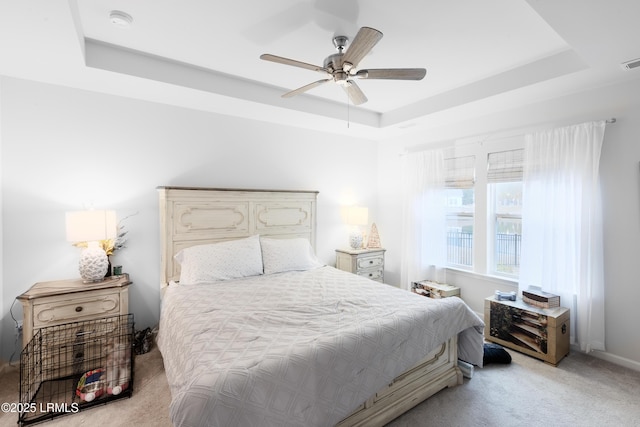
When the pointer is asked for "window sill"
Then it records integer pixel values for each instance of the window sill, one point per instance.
(498, 280)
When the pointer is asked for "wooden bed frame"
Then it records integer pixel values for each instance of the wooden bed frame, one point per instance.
(193, 216)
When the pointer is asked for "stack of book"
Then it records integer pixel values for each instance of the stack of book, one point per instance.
(539, 298)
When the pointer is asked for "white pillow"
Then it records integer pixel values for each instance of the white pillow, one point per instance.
(220, 261)
(280, 255)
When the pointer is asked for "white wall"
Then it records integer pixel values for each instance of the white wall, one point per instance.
(620, 176)
(63, 148)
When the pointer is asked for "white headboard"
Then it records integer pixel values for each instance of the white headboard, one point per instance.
(194, 216)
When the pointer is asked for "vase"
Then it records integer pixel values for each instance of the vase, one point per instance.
(108, 273)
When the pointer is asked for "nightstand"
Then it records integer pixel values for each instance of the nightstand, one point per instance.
(64, 301)
(363, 262)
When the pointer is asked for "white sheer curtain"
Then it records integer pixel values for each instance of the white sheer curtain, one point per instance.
(562, 225)
(424, 228)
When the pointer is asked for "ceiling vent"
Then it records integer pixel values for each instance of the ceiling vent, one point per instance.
(630, 65)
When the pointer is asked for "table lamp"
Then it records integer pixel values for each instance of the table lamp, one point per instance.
(92, 226)
(357, 216)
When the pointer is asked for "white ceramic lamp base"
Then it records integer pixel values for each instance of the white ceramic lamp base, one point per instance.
(93, 263)
(355, 240)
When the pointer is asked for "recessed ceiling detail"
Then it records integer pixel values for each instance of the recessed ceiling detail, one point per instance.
(459, 44)
(483, 57)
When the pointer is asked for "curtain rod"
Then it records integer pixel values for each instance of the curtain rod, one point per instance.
(448, 142)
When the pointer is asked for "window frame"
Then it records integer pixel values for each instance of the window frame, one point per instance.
(484, 227)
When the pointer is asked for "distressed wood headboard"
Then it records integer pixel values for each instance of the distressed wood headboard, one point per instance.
(194, 216)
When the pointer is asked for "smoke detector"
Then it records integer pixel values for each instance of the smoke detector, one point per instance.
(630, 65)
(120, 19)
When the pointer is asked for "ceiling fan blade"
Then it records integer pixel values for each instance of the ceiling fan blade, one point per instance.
(393, 73)
(355, 93)
(362, 44)
(305, 88)
(293, 62)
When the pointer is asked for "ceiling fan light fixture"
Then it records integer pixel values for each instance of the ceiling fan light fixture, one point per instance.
(120, 19)
(340, 77)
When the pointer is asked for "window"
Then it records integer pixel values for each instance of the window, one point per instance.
(460, 207)
(504, 178)
(460, 177)
(484, 205)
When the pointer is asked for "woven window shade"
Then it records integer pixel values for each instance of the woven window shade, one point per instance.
(505, 166)
(460, 172)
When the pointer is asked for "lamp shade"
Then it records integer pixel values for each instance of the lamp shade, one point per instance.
(357, 215)
(89, 226)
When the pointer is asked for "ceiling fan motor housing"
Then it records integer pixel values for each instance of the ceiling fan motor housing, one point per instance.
(334, 62)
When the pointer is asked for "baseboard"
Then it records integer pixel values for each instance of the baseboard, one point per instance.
(616, 360)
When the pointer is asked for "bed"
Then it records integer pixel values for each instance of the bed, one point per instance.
(255, 331)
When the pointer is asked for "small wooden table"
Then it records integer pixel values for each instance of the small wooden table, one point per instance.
(435, 290)
(539, 332)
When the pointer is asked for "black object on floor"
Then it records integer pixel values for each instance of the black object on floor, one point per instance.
(493, 353)
(142, 341)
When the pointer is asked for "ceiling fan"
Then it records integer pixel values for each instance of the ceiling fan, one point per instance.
(342, 67)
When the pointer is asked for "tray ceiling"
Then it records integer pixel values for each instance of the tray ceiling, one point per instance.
(480, 56)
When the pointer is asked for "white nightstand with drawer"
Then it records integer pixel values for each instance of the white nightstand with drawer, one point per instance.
(64, 301)
(363, 262)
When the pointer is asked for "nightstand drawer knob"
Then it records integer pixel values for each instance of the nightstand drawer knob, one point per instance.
(78, 309)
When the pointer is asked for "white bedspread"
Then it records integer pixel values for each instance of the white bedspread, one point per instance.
(297, 348)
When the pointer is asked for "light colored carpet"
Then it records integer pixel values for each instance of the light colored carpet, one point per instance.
(581, 391)
(147, 407)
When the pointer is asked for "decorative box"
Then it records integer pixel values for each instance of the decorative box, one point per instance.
(434, 289)
(539, 332)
